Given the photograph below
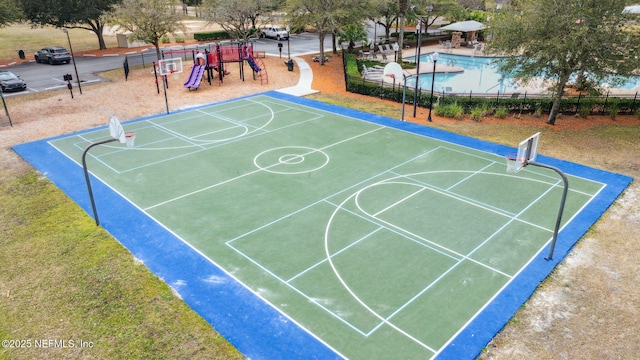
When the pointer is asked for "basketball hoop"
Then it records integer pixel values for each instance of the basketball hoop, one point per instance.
(514, 163)
(527, 152)
(130, 138)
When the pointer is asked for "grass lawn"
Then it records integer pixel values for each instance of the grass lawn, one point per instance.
(64, 278)
(31, 39)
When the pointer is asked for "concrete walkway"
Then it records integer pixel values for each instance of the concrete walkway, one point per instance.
(303, 87)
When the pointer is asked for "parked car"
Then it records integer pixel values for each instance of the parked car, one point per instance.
(53, 55)
(10, 82)
(274, 32)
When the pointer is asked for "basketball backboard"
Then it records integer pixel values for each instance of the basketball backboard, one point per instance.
(116, 130)
(528, 149)
(393, 70)
(170, 66)
(527, 152)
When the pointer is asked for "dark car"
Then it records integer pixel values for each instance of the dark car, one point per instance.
(10, 82)
(53, 55)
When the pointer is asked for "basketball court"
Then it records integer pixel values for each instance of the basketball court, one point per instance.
(302, 230)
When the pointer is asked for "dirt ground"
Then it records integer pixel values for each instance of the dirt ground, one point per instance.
(587, 309)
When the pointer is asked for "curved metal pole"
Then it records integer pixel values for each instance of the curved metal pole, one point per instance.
(562, 202)
(86, 176)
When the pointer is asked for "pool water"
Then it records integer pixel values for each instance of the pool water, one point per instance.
(481, 76)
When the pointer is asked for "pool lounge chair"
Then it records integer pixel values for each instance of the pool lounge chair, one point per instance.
(374, 73)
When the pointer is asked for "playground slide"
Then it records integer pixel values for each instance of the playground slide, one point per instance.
(253, 64)
(195, 77)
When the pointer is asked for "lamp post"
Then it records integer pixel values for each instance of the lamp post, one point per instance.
(396, 47)
(415, 88)
(434, 57)
(73, 58)
(429, 9)
(288, 43)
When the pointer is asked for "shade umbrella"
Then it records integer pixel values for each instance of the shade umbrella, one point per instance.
(633, 9)
(470, 27)
(464, 26)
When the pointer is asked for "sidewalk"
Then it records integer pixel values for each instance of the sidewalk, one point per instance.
(303, 87)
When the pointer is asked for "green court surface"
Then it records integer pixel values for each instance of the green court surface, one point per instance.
(371, 239)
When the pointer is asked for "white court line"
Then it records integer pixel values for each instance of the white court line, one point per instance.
(325, 260)
(253, 172)
(386, 320)
(433, 243)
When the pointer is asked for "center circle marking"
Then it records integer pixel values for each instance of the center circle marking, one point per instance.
(290, 160)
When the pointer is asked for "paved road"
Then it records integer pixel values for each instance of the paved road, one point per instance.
(44, 77)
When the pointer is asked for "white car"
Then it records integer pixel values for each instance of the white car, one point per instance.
(274, 32)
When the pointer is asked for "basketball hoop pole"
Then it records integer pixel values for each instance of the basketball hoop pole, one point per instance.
(86, 176)
(164, 87)
(562, 202)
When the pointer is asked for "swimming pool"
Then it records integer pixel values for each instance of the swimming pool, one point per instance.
(480, 76)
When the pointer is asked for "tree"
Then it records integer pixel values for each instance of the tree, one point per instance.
(148, 20)
(9, 12)
(87, 14)
(385, 14)
(353, 34)
(440, 8)
(238, 17)
(558, 40)
(325, 16)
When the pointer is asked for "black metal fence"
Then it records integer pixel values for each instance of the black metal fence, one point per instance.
(147, 58)
(393, 89)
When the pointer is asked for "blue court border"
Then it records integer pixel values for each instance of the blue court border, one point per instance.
(254, 327)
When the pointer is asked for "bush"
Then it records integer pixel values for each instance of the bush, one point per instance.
(351, 65)
(211, 35)
(613, 110)
(502, 112)
(179, 39)
(584, 111)
(453, 111)
(538, 111)
(165, 39)
(477, 114)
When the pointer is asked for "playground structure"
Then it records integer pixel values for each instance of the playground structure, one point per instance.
(198, 69)
(214, 64)
(235, 53)
(208, 58)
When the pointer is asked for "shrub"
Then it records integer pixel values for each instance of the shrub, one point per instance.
(584, 111)
(538, 111)
(453, 111)
(211, 35)
(165, 39)
(502, 112)
(488, 109)
(351, 65)
(477, 113)
(613, 110)
(179, 40)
